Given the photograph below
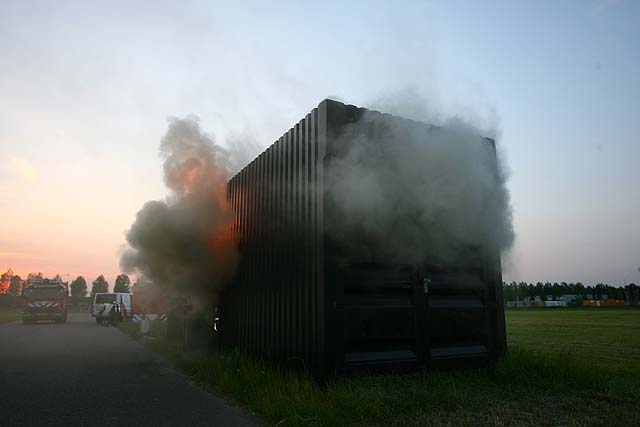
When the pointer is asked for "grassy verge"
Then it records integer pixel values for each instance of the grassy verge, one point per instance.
(606, 338)
(8, 314)
(531, 387)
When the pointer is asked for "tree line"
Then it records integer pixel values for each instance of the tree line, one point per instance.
(522, 290)
(13, 284)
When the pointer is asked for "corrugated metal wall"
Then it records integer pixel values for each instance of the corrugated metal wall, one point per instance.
(293, 303)
(276, 304)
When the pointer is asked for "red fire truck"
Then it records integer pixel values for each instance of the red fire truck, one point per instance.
(45, 299)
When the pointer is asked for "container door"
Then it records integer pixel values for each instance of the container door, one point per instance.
(381, 310)
(457, 308)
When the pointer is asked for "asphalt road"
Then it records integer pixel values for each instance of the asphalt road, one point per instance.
(83, 374)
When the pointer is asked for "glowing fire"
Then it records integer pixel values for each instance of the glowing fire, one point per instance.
(168, 237)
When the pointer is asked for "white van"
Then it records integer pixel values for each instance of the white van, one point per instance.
(102, 304)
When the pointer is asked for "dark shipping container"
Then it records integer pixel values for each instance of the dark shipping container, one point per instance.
(301, 298)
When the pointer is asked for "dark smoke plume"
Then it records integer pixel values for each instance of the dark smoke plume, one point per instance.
(183, 244)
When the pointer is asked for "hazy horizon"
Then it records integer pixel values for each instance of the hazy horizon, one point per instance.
(87, 91)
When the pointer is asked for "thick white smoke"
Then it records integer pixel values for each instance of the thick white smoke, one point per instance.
(413, 192)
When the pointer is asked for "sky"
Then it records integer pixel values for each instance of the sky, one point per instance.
(86, 89)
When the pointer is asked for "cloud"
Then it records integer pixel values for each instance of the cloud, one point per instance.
(22, 168)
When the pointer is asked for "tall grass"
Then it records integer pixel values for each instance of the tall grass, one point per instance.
(530, 387)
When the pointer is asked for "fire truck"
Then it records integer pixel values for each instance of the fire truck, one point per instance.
(45, 299)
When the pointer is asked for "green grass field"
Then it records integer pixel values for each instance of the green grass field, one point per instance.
(606, 338)
(569, 367)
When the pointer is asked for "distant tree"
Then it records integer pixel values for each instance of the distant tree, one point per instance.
(570, 288)
(619, 294)
(5, 281)
(32, 276)
(539, 290)
(507, 291)
(632, 293)
(598, 291)
(122, 283)
(99, 285)
(79, 287)
(609, 291)
(521, 291)
(15, 286)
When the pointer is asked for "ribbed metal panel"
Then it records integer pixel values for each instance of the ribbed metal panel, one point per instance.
(294, 300)
(275, 306)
